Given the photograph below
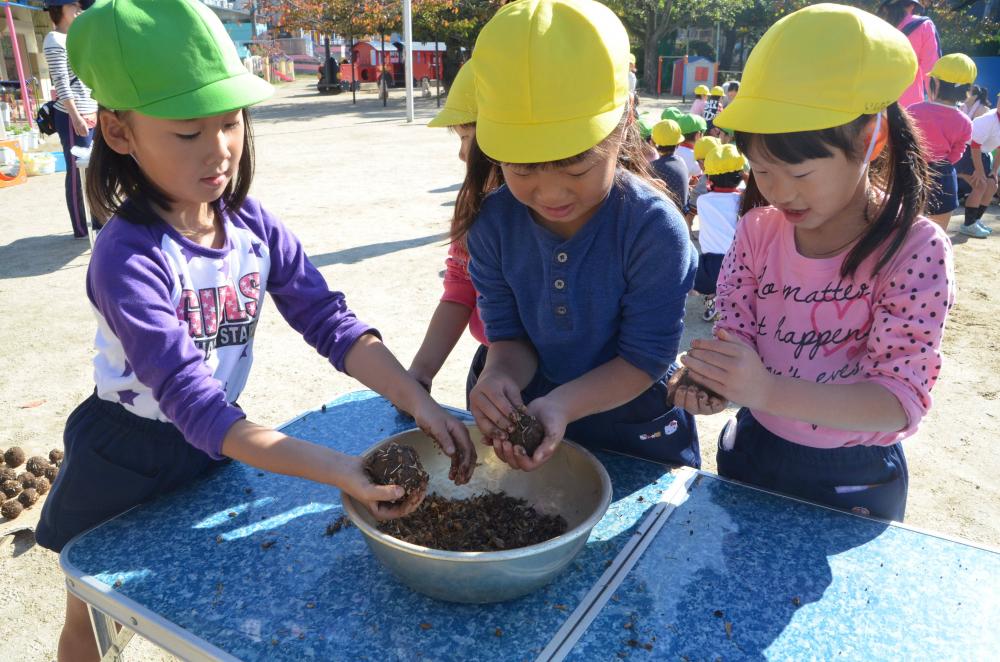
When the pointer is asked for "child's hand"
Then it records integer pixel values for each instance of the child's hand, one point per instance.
(451, 435)
(494, 400)
(378, 499)
(683, 391)
(731, 369)
(554, 422)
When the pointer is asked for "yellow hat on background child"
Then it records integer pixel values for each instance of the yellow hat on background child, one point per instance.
(667, 133)
(701, 90)
(840, 61)
(551, 79)
(956, 68)
(723, 159)
(460, 106)
(704, 146)
(717, 91)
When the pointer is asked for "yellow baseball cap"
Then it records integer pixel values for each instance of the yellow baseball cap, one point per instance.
(703, 146)
(717, 91)
(551, 79)
(667, 133)
(723, 159)
(460, 106)
(701, 90)
(956, 68)
(840, 61)
(631, 58)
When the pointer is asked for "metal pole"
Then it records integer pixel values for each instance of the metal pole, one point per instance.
(437, 61)
(408, 50)
(25, 100)
(354, 75)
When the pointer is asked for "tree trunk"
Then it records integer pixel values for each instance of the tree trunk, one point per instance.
(657, 25)
(726, 58)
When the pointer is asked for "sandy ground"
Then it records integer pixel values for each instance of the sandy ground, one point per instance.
(370, 197)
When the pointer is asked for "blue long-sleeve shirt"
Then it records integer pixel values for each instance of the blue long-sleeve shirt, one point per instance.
(616, 288)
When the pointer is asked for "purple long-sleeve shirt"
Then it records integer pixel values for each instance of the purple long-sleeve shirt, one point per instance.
(176, 320)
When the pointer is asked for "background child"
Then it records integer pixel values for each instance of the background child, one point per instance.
(692, 126)
(718, 211)
(976, 103)
(700, 94)
(645, 123)
(907, 16)
(732, 88)
(177, 282)
(834, 295)
(701, 149)
(713, 107)
(979, 171)
(945, 131)
(457, 308)
(669, 167)
(582, 264)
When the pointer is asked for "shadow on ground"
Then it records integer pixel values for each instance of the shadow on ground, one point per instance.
(361, 253)
(37, 256)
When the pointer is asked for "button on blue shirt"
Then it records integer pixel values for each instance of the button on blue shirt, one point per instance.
(616, 288)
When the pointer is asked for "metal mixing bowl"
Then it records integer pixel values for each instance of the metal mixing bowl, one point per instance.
(572, 484)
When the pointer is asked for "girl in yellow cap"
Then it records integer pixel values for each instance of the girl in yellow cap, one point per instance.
(700, 97)
(457, 309)
(833, 297)
(946, 131)
(581, 262)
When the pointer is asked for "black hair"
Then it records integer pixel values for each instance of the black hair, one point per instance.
(900, 173)
(734, 86)
(691, 137)
(950, 92)
(483, 174)
(894, 11)
(666, 150)
(114, 179)
(981, 94)
(55, 13)
(727, 179)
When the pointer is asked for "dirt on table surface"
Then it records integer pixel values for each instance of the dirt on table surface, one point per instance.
(488, 522)
(370, 196)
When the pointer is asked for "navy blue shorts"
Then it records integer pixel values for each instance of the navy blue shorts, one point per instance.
(647, 427)
(867, 480)
(965, 166)
(709, 266)
(943, 196)
(114, 460)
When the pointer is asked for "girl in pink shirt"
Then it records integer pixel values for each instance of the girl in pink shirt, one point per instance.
(834, 294)
(906, 15)
(457, 309)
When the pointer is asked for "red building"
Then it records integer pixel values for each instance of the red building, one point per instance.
(369, 59)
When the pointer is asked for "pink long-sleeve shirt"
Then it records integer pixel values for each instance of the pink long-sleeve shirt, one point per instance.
(458, 288)
(946, 130)
(924, 40)
(808, 322)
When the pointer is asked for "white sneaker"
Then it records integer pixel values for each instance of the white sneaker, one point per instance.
(988, 229)
(974, 230)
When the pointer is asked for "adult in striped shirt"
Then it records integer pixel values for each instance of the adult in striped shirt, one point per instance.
(75, 112)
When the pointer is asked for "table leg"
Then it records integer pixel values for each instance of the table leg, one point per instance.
(110, 640)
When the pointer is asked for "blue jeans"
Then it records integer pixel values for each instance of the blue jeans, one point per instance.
(74, 190)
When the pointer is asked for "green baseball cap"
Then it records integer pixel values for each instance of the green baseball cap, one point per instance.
(171, 59)
(692, 123)
(671, 113)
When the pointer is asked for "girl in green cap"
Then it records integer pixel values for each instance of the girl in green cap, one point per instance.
(581, 261)
(177, 282)
(833, 296)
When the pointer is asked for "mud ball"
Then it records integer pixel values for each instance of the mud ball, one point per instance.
(56, 456)
(36, 465)
(11, 488)
(28, 497)
(27, 479)
(14, 457)
(51, 472)
(11, 509)
(42, 485)
(528, 432)
(682, 377)
(7, 474)
(396, 464)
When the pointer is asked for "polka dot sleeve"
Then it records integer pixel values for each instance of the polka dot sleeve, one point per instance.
(910, 305)
(736, 290)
